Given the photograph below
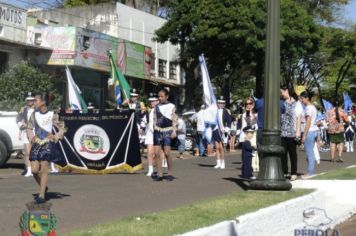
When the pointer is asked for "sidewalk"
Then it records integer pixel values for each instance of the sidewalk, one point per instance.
(332, 203)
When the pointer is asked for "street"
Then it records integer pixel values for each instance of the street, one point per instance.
(81, 201)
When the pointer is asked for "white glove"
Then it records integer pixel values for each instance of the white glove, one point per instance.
(226, 129)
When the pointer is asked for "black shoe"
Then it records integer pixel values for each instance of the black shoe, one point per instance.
(46, 191)
(40, 200)
(23, 172)
(170, 178)
(157, 178)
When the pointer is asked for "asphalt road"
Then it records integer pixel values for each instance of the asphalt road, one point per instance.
(81, 201)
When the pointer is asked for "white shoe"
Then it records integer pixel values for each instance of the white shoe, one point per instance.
(54, 171)
(222, 165)
(293, 177)
(28, 174)
(218, 164)
(347, 144)
(150, 171)
(351, 144)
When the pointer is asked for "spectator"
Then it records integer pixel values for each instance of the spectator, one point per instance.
(201, 140)
(181, 134)
(289, 133)
(336, 118)
(233, 133)
(310, 132)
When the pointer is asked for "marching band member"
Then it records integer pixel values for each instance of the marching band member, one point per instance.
(138, 107)
(220, 133)
(165, 127)
(22, 121)
(43, 150)
(153, 99)
(350, 133)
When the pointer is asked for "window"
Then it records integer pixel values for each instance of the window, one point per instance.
(173, 71)
(3, 61)
(38, 39)
(152, 61)
(162, 70)
(86, 42)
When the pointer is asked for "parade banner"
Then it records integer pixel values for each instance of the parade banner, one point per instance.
(135, 60)
(101, 143)
(60, 39)
(92, 48)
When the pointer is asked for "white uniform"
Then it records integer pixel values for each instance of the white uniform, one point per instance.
(149, 129)
(23, 134)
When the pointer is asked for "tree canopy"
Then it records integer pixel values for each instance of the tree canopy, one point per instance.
(21, 79)
(231, 34)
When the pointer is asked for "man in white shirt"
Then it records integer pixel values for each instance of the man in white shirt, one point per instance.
(199, 119)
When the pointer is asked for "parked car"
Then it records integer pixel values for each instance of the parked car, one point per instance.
(9, 131)
(190, 132)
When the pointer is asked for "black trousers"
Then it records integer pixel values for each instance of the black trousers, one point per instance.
(290, 147)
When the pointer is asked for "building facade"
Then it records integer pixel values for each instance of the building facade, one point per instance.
(13, 32)
(134, 30)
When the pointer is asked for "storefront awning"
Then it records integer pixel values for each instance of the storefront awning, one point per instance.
(157, 81)
(22, 45)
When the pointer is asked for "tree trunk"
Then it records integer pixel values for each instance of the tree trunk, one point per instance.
(341, 76)
(227, 89)
(259, 74)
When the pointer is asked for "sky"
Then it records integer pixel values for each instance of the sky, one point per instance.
(349, 10)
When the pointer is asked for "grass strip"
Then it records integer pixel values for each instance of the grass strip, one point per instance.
(193, 216)
(340, 174)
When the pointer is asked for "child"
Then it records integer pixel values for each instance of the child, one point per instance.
(43, 151)
(247, 153)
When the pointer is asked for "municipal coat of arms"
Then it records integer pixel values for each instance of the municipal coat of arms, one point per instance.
(91, 142)
(37, 220)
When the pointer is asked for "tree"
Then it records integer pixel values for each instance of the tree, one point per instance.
(232, 35)
(75, 3)
(155, 7)
(322, 10)
(343, 54)
(19, 80)
(335, 62)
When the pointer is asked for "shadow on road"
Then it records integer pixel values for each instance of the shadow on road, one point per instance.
(240, 182)
(13, 166)
(53, 195)
(237, 162)
(205, 165)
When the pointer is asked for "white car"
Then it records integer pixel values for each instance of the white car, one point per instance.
(9, 136)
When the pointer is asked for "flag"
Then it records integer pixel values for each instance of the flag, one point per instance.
(347, 102)
(122, 87)
(327, 105)
(75, 99)
(211, 111)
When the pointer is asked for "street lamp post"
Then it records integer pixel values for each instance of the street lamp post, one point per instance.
(271, 176)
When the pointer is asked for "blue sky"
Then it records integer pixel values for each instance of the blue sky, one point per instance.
(349, 10)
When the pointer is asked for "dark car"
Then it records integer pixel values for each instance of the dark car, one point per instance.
(190, 133)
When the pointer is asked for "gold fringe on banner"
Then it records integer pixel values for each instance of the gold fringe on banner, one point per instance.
(124, 167)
